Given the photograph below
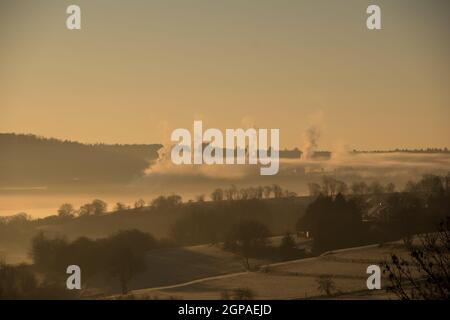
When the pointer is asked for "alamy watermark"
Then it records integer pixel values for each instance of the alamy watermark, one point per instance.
(373, 22)
(236, 146)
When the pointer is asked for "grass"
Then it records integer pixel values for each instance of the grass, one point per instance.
(294, 279)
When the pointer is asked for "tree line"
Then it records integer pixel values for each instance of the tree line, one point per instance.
(339, 221)
(331, 186)
(121, 256)
(99, 207)
(32, 160)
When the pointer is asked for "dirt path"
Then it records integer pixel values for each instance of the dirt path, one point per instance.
(224, 276)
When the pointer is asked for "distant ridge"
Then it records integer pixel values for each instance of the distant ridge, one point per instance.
(27, 159)
(427, 150)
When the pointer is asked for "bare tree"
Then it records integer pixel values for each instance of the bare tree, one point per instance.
(376, 188)
(326, 285)
(243, 194)
(66, 210)
(139, 204)
(259, 192)
(120, 206)
(267, 191)
(96, 207)
(314, 189)
(426, 274)
(341, 187)
(277, 191)
(359, 188)
(217, 195)
(390, 188)
(200, 198)
(231, 193)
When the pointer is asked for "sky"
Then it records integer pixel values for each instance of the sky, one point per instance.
(139, 69)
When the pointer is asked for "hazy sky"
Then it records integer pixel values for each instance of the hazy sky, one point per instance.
(139, 69)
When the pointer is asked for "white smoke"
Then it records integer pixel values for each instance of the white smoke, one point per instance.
(311, 142)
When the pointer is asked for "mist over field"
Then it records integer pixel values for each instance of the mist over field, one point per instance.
(163, 178)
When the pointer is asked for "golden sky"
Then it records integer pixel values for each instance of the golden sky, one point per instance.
(139, 69)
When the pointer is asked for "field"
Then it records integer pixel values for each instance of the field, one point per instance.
(217, 273)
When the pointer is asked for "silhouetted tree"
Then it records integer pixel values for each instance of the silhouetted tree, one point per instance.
(217, 195)
(121, 255)
(403, 212)
(277, 191)
(120, 206)
(66, 210)
(50, 255)
(288, 248)
(326, 285)
(314, 189)
(168, 202)
(267, 191)
(18, 282)
(139, 204)
(341, 187)
(359, 188)
(247, 238)
(390, 188)
(259, 192)
(376, 188)
(231, 193)
(430, 186)
(328, 186)
(333, 223)
(426, 274)
(99, 206)
(125, 252)
(96, 207)
(243, 194)
(200, 198)
(411, 187)
(238, 294)
(332, 186)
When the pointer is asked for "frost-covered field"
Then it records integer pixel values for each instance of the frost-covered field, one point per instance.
(292, 280)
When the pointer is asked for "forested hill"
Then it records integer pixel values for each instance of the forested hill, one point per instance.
(30, 160)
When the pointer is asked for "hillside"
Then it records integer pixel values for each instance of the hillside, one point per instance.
(30, 161)
(280, 214)
(292, 279)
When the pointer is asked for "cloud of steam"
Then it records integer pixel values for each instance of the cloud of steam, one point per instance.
(295, 174)
(311, 141)
(165, 166)
(313, 134)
